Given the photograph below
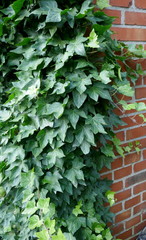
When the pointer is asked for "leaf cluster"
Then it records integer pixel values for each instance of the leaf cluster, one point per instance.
(59, 72)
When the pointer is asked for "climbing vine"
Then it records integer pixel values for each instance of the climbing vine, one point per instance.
(60, 73)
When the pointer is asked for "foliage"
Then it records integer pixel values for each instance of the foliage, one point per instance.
(59, 73)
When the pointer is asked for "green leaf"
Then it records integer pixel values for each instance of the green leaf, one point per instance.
(79, 99)
(50, 224)
(34, 222)
(17, 5)
(27, 179)
(59, 236)
(93, 43)
(73, 118)
(104, 76)
(54, 13)
(2, 192)
(30, 208)
(53, 156)
(43, 235)
(102, 3)
(77, 210)
(43, 204)
(110, 196)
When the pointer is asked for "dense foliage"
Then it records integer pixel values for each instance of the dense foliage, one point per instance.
(59, 73)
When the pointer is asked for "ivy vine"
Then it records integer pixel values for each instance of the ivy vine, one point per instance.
(60, 72)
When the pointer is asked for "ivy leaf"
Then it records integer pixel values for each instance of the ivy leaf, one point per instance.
(43, 235)
(30, 208)
(52, 181)
(69, 236)
(79, 99)
(34, 222)
(43, 204)
(77, 210)
(54, 13)
(17, 5)
(73, 118)
(53, 156)
(50, 224)
(110, 196)
(27, 179)
(93, 43)
(107, 234)
(102, 3)
(104, 76)
(59, 236)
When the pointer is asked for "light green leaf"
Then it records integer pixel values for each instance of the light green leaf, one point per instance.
(27, 179)
(50, 224)
(30, 208)
(43, 204)
(110, 196)
(102, 3)
(54, 13)
(104, 77)
(34, 222)
(43, 235)
(59, 236)
(93, 43)
(77, 210)
(73, 118)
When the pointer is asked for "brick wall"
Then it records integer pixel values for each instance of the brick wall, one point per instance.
(129, 173)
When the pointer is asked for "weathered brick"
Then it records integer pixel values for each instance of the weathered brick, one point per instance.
(132, 222)
(132, 202)
(122, 216)
(135, 18)
(140, 4)
(128, 34)
(139, 227)
(119, 3)
(123, 195)
(123, 172)
(136, 132)
(139, 188)
(140, 208)
(118, 228)
(117, 186)
(125, 235)
(116, 208)
(140, 177)
(140, 166)
(131, 158)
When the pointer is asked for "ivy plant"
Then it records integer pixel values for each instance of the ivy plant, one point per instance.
(60, 71)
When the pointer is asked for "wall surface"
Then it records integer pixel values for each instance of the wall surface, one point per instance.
(129, 173)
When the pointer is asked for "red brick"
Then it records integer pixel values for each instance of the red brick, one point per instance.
(116, 208)
(144, 196)
(140, 188)
(117, 186)
(126, 171)
(136, 132)
(114, 13)
(137, 178)
(140, 92)
(135, 18)
(140, 208)
(125, 235)
(117, 163)
(144, 154)
(144, 216)
(108, 176)
(140, 166)
(128, 34)
(123, 195)
(133, 238)
(132, 222)
(140, 4)
(139, 227)
(119, 3)
(144, 78)
(131, 158)
(120, 135)
(117, 229)
(132, 202)
(122, 216)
